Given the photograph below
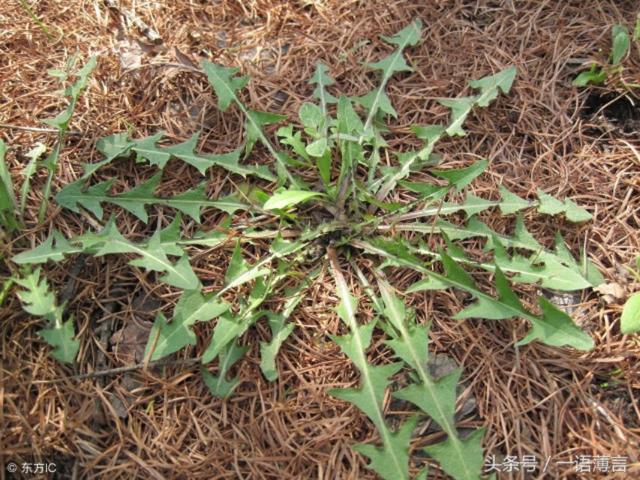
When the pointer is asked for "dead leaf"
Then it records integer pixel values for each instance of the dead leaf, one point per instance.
(129, 343)
(611, 292)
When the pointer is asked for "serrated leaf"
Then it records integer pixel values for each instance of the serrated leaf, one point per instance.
(61, 338)
(280, 330)
(288, 198)
(385, 461)
(153, 258)
(556, 328)
(146, 149)
(73, 197)
(410, 35)
(490, 85)
(218, 385)
(185, 151)
(224, 82)
(436, 398)
(55, 247)
(114, 146)
(61, 121)
(253, 128)
(322, 80)
(489, 89)
(37, 299)
(29, 171)
(294, 140)
(558, 270)
(460, 109)
(511, 203)
(553, 327)
(390, 461)
(461, 177)
(551, 206)
(135, 200)
(239, 271)
(575, 213)
(167, 338)
(225, 87)
(470, 449)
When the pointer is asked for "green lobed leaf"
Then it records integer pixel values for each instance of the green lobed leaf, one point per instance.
(280, 331)
(385, 461)
(489, 87)
(390, 461)
(61, 338)
(551, 206)
(322, 80)
(253, 127)
(229, 327)
(119, 145)
(218, 385)
(224, 83)
(29, 171)
(239, 271)
(553, 327)
(153, 257)
(470, 449)
(436, 398)
(294, 140)
(56, 247)
(73, 196)
(166, 338)
(409, 35)
(462, 177)
(61, 121)
(36, 298)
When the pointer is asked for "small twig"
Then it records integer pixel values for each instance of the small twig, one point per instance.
(115, 371)
(25, 6)
(605, 414)
(35, 129)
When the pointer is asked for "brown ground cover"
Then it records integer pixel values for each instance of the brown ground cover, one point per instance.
(163, 423)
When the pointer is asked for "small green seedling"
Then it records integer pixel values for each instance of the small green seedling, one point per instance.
(630, 319)
(38, 300)
(620, 43)
(8, 204)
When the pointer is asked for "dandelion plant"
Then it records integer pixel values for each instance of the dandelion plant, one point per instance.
(351, 212)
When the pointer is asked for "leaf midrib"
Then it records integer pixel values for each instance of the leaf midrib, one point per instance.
(344, 294)
(517, 313)
(449, 428)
